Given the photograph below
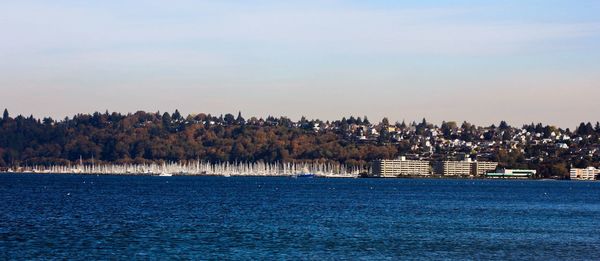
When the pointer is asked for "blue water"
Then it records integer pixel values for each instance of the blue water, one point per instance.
(125, 217)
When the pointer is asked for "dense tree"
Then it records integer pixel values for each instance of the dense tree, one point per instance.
(359, 121)
(229, 119)
(446, 131)
(403, 125)
(385, 122)
(366, 120)
(585, 129)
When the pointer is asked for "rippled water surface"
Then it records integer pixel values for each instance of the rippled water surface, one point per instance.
(125, 217)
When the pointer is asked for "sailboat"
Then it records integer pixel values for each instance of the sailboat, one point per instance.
(164, 172)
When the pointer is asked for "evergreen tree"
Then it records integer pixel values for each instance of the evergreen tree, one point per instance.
(384, 136)
(176, 115)
(539, 128)
(403, 125)
(166, 120)
(351, 120)
(366, 121)
(585, 129)
(48, 121)
(303, 123)
(446, 130)
(589, 128)
(5, 115)
(240, 120)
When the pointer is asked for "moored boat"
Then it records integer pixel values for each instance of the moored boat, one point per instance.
(306, 175)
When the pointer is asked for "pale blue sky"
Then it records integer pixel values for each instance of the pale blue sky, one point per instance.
(479, 61)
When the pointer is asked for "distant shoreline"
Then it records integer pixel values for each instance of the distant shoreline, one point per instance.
(288, 176)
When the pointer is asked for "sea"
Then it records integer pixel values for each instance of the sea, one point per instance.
(77, 217)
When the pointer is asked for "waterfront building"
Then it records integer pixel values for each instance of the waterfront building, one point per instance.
(512, 173)
(584, 174)
(453, 168)
(401, 167)
(480, 168)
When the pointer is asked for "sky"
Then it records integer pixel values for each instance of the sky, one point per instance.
(476, 61)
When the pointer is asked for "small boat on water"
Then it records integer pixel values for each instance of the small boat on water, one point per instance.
(305, 175)
(165, 174)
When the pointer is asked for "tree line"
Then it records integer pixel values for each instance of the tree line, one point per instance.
(150, 137)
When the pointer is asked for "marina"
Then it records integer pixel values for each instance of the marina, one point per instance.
(199, 168)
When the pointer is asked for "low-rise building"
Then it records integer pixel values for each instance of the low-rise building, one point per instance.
(512, 173)
(452, 168)
(401, 167)
(584, 174)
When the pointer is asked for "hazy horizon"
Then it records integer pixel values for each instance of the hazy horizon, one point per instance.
(522, 62)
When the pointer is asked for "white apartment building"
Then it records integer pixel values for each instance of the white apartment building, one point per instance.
(401, 167)
(584, 174)
(453, 168)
